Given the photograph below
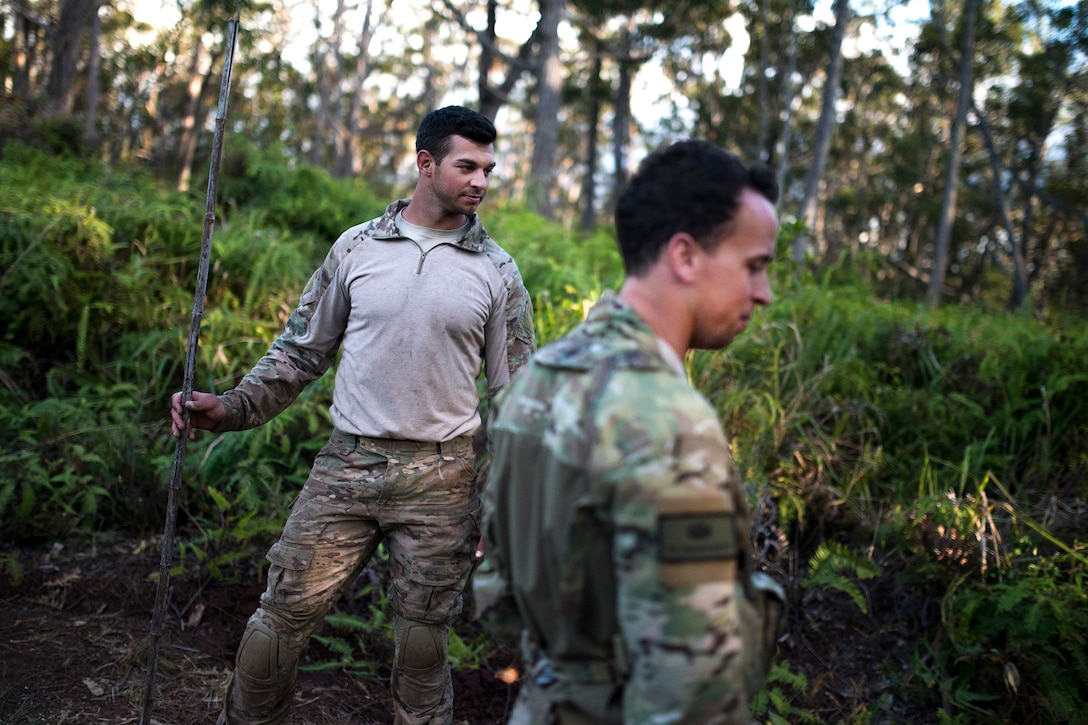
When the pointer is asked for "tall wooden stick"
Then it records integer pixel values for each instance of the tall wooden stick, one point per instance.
(167, 556)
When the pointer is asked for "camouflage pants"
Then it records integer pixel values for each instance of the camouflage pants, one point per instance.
(421, 498)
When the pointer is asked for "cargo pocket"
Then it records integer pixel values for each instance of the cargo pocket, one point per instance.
(290, 557)
(283, 576)
(341, 445)
(435, 599)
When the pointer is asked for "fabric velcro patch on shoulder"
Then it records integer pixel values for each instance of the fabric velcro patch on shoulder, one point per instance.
(690, 537)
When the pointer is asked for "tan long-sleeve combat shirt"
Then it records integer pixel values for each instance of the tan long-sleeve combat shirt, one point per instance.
(416, 329)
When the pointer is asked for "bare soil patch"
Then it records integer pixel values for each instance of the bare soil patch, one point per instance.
(74, 632)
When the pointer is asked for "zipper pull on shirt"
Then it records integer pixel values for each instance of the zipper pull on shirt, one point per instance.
(426, 238)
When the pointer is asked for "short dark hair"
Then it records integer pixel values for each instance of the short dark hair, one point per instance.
(689, 186)
(437, 126)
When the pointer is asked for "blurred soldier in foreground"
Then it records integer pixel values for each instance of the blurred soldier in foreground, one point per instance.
(615, 519)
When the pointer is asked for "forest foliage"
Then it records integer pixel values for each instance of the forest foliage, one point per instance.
(876, 436)
(948, 140)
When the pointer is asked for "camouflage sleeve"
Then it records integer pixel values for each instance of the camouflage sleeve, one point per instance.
(677, 548)
(303, 352)
(520, 336)
(520, 339)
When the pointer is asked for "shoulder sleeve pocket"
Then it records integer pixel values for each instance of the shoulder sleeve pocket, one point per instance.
(698, 541)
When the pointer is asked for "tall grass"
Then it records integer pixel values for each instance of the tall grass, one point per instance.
(952, 443)
(565, 273)
(865, 400)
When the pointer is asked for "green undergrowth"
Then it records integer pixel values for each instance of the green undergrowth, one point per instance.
(948, 446)
(952, 444)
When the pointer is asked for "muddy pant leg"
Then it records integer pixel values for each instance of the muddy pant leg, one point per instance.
(431, 551)
(326, 539)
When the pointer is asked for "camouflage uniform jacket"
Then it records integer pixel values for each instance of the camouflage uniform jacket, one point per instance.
(414, 326)
(616, 519)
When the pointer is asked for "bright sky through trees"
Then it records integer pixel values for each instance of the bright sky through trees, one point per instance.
(894, 34)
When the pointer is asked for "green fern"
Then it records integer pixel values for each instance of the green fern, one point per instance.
(833, 565)
(776, 701)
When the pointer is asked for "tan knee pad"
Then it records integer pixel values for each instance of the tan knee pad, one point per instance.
(258, 654)
(420, 646)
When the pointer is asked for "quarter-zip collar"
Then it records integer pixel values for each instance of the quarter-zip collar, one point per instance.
(386, 229)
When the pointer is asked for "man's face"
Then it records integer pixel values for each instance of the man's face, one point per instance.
(732, 280)
(460, 181)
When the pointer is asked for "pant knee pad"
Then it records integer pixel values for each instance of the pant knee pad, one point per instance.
(258, 654)
(420, 646)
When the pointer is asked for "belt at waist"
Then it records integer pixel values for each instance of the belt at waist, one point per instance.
(459, 446)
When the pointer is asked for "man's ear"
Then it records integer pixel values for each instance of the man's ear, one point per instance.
(425, 162)
(682, 255)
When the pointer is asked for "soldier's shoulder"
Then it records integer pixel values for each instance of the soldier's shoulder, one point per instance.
(657, 399)
(354, 236)
(584, 350)
(504, 262)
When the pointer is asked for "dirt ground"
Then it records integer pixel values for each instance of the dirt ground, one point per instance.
(74, 634)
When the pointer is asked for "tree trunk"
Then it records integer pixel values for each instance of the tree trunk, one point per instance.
(955, 154)
(33, 33)
(429, 95)
(490, 102)
(90, 119)
(353, 164)
(341, 142)
(1019, 268)
(807, 211)
(589, 176)
(316, 155)
(787, 121)
(190, 126)
(491, 97)
(548, 89)
(621, 119)
(327, 76)
(142, 137)
(762, 152)
(74, 18)
(24, 48)
(1029, 181)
